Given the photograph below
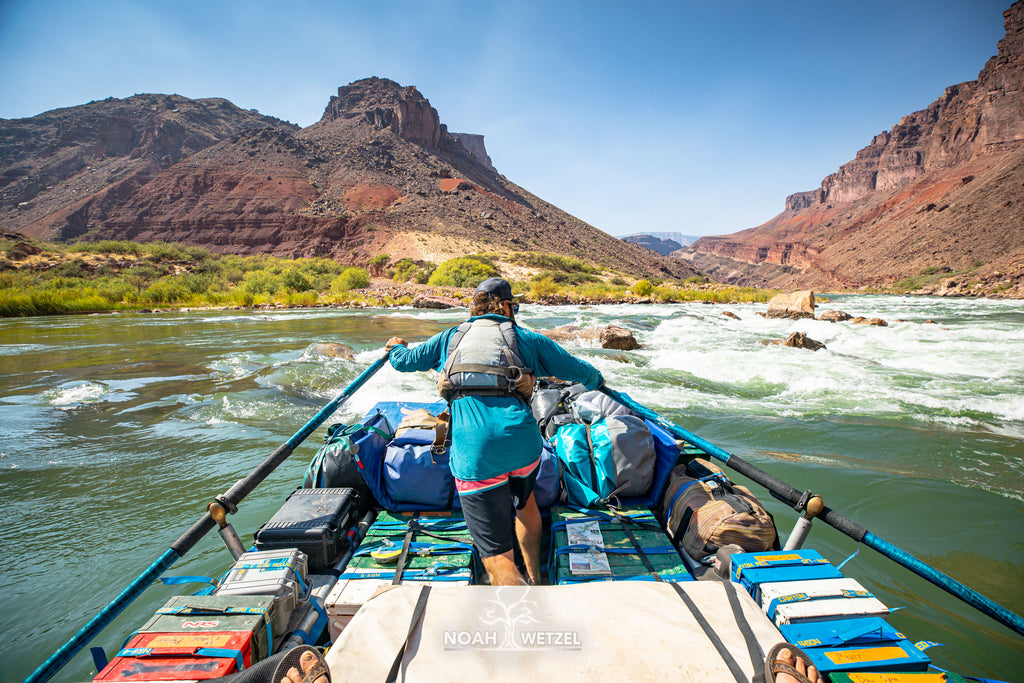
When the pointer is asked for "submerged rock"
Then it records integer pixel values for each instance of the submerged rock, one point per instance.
(331, 350)
(730, 314)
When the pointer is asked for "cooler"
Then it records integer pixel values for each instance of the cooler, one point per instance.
(792, 602)
(314, 521)
(750, 570)
(180, 657)
(204, 613)
(592, 545)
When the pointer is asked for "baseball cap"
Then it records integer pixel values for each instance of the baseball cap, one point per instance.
(498, 287)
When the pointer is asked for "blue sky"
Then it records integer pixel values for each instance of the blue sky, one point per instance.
(696, 117)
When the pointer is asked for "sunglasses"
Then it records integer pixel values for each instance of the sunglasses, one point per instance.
(515, 309)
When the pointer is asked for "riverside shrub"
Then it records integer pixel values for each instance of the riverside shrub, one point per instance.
(351, 278)
(462, 272)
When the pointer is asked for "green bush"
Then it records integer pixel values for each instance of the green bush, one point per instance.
(295, 281)
(261, 282)
(643, 288)
(467, 271)
(351, 278)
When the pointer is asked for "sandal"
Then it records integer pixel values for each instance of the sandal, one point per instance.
(291, 660)
(772, 665)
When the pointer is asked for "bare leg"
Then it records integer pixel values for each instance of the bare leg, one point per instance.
(307, 661)
(502, 570)
(787, 657)
(528, 531)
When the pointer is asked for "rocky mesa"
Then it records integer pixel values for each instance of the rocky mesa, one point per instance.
(941, 193)
(378, 173)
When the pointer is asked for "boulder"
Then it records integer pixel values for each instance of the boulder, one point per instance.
(619, 338)
(427, 301)
(878, 322)
(793, 305)
(331, 350)
(730, 314)
(797, 340)
(834, 316)
(609, 337)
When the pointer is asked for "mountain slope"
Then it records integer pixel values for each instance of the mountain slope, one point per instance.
(379, 173)
(940, 191)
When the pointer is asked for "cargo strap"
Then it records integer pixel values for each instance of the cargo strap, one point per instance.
(757, 655)
(420, 549)
(179, 580)
(683, 578)
(723, 651)
(583, 548)
(441, 571)
(417, 616)
(216, 652)
(804, 597)
(632, 539)
(400, 568)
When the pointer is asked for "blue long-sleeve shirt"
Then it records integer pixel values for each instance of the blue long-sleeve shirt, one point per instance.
(492, 435)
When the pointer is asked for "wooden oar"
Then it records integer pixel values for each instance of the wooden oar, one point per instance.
(229, 500)
(792, 496)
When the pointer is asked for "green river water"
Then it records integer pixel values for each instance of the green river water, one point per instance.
(116, 430)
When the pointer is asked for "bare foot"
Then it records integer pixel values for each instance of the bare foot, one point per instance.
(797, 664)
(307, 661)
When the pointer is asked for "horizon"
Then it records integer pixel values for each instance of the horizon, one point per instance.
(655, 117)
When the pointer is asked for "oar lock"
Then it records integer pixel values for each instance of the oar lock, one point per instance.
(219, 508)
(811, 503)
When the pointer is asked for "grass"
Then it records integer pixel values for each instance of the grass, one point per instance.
(123, 276)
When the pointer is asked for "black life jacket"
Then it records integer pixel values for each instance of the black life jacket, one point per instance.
(483, 360)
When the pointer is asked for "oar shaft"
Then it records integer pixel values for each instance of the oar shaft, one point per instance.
(945, 582)
(788, 494)
(63, 655)
(195, 533)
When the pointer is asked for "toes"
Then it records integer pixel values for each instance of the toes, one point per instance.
(293, 676)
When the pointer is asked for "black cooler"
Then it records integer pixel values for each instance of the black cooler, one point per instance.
(315, 521)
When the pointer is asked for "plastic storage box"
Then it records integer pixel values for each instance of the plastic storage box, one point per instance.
(792, 602)
(280, 573)
(856, 645)
(180, 657)
(203, 613)
(750, 570)
(315, 521)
